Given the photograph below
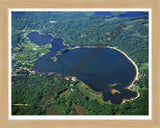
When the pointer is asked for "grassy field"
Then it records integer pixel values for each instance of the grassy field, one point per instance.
(92, 95)
(144, 66)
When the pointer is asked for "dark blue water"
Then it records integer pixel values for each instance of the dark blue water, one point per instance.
(106, 68)
(97, 68)
(19, 13)
(127, 14)
(132, 14)
(102, 13)
(39, 39)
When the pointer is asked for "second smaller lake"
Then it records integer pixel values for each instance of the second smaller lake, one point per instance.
(39, 39)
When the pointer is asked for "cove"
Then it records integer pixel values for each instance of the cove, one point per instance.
(109, 72)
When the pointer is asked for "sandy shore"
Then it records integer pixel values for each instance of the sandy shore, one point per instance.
(124, 100)
(136, 77)
(137, 73)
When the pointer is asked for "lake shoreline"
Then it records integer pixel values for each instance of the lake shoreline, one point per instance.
(136, 77)
(137, 72)
(128, 87)
(124, 100)
(29, 31)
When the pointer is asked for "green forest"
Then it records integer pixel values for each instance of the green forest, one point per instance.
(35, 93)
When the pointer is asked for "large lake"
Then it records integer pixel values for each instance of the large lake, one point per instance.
(104, 70)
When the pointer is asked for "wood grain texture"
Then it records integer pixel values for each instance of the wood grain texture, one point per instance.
(6, 4)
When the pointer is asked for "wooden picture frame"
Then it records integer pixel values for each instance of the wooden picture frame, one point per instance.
(5, 122)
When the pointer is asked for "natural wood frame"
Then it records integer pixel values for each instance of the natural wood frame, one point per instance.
(6, 4)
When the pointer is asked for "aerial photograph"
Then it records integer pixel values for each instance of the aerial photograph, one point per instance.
(79, 62)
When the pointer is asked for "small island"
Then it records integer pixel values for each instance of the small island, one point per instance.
(54, 58)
